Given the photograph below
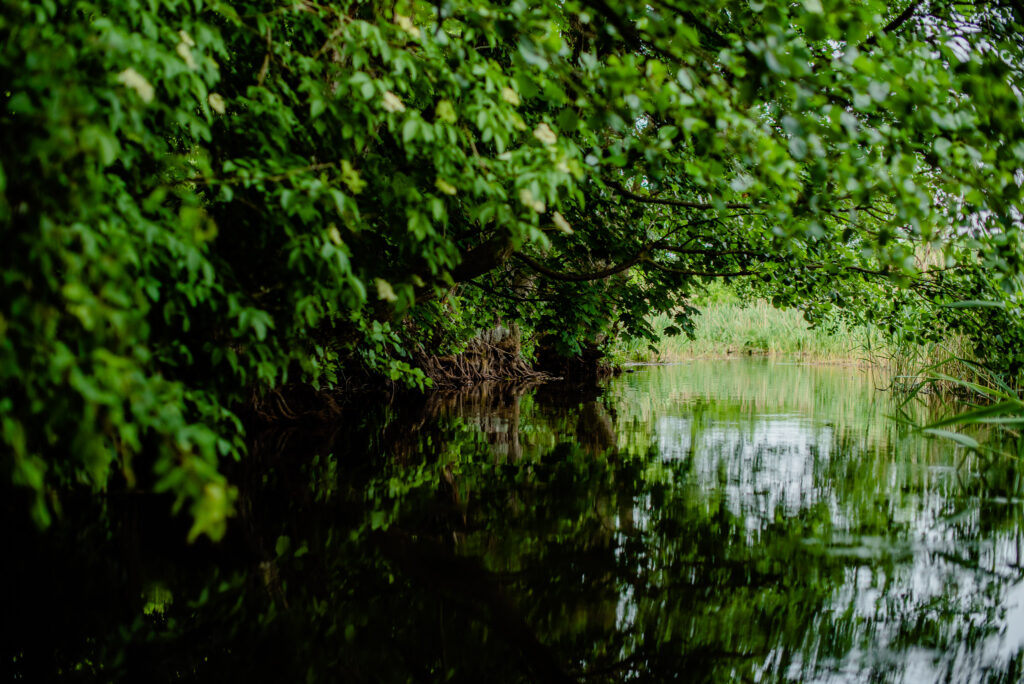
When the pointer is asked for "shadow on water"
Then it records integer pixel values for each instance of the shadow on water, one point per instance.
(716, 521)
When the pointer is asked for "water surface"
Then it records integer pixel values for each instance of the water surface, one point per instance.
(712, 521)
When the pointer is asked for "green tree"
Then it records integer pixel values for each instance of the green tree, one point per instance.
(203, 200)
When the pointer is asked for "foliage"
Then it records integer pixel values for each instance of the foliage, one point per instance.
(988, 420)
(202, 200)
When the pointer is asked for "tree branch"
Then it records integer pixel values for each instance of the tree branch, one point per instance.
(712, 252)
(701, 274)
(483, 258)
(689, 204)
(510, 297)
(901, 18)
(628, 31)
(867, 271)
(716, 39)
(581, 277)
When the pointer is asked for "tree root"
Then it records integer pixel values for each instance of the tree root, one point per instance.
(480, 362)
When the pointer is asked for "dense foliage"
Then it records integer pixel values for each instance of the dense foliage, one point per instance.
(203, 200)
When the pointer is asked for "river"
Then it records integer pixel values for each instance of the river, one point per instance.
(745, 520)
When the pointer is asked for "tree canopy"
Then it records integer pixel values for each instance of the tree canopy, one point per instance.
(201, 200)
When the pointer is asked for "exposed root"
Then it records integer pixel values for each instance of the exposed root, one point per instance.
(491, 356)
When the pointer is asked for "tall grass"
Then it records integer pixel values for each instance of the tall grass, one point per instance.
(988, 421)
(727, 328)
(911, 366)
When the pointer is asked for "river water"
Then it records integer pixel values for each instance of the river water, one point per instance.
(743, 520)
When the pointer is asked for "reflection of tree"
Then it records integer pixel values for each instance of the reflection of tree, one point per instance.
(464, 539)
(594, 429)
(492, 408)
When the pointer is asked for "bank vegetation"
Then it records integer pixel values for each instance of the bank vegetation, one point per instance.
(204, 202)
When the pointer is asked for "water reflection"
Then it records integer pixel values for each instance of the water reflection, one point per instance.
(929, 586)
(726, 521)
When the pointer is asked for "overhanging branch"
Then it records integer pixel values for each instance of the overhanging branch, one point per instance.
(689, 204)
(701, 274)
(900, 19)
(483, 258)
(713, 252)
(511, 297)
(581, 277)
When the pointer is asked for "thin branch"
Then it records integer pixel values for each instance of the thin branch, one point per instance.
(716, 39)
(274, 178)
(702, 274)
(901, 18)
(712, 219)
(631, 36)
(581, 277)
(867, 271)
(689, 204)
(712, 252)
(266, 61)
(331, 38)
(503, 295)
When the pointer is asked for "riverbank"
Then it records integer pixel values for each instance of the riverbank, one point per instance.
(725, 329)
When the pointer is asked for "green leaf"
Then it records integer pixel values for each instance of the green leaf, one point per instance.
(282, 545)
(969, 417)
(409, 130)
(960, 439)
(316, 108)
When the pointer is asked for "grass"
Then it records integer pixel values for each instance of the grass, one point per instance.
(912, 365)
(726, 328)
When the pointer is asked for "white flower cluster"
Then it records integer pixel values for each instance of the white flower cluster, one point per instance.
(184, 50)
(137, 82)
(544, 133)
(527, 198)
(405, 23)
(392, 103)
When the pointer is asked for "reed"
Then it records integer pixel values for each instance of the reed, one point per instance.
(911, 365)
(726, 328)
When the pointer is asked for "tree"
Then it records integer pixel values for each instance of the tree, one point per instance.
(206, 199)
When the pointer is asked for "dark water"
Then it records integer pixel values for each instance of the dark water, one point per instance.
(713, 521)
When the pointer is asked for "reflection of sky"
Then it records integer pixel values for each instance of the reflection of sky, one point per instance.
(764, 464)
(770, 463)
